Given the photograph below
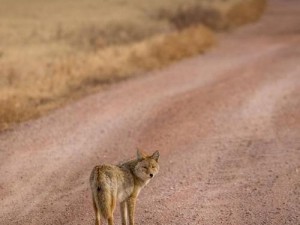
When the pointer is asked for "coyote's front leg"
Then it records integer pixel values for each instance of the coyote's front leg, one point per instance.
(131, 209)
(124, 212)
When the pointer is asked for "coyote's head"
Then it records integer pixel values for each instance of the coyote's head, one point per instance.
(147, 166)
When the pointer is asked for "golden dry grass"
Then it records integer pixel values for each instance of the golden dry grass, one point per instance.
(56, 51)
(245, 12)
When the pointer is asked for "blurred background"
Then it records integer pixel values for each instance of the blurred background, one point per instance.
(53, 52)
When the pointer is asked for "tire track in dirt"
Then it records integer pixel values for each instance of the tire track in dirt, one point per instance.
(236, 151)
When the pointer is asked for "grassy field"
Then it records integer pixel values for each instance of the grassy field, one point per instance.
(53, 51)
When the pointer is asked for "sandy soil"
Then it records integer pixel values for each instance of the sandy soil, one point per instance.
(227, 125)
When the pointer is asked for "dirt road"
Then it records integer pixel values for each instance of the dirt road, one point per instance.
(227, 125)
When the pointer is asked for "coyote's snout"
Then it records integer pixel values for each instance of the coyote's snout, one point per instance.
(121, 183)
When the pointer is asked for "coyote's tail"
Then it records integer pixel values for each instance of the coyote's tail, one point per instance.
(101, 193)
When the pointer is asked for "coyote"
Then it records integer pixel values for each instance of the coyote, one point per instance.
(122, 183)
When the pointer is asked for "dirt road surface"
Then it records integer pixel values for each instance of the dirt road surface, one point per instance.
(227, 125)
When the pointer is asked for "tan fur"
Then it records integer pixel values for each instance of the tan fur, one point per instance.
(121, 183)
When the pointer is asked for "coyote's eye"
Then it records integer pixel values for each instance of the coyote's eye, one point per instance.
(145, 167)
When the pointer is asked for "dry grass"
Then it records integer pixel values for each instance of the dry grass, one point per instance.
(56, 51)
(219, 15)
(245, 12)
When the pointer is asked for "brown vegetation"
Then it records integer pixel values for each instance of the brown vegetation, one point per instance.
(245, 12)
(48, 58)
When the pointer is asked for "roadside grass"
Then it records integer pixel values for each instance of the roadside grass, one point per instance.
(55, 51)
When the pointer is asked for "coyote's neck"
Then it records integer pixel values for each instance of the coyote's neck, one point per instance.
(131, 166)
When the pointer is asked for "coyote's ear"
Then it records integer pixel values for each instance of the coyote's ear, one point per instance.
(140, 154)
(155, 156)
